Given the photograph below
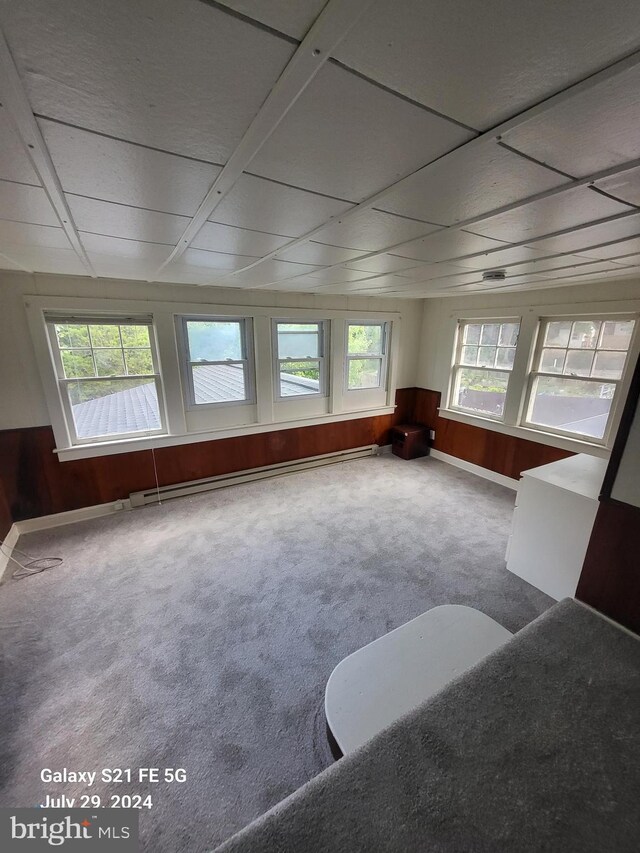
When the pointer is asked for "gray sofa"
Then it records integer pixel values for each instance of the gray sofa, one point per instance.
(537, 748)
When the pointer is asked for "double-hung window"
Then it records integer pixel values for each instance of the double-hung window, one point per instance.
(484, 357)
(108, 376)
(300, 362)
(366, 361)
(218, 361)
(577, 368)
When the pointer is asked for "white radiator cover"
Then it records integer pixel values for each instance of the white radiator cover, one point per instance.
(221, 481)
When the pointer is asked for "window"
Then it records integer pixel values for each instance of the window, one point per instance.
(578, 365)
(108, 377)
(366, 356)
(299, 359)
(216, 354)
(485, 352)
(119, 377)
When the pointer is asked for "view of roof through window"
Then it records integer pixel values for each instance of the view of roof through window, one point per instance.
(136, 409)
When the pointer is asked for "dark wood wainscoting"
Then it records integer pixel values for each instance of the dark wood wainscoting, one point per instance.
(34, 482)
(504, 454)
(610, 579)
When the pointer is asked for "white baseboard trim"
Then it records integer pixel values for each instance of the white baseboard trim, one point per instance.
(46, 522)
(58, 519)
(10, 541)
(509, 482)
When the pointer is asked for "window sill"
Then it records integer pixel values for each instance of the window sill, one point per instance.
(130, 445)
(573, 445)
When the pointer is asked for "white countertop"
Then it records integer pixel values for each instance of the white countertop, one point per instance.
(581, 474)
(381, 682)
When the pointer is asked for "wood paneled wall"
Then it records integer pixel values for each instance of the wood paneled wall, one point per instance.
(504, 454)
(610, 579)
(34, 482)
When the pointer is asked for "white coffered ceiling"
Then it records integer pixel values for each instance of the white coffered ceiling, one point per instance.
(372, 147)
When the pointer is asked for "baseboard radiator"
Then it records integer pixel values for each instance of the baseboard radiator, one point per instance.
(221, 481)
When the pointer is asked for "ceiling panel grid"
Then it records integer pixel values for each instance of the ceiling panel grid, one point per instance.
(365, 147)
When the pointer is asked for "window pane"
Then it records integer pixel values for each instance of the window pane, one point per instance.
(571, 405)
(135, 336)
(552, 360)
(138, 361)
(71, 335)
(578, 362)
(297, 327)
(113, 407)
(557, 334)
(365, 339)
(104, 336)
(616, 334)
(509, 334)
(486, 356)
(481, 391)
(470, 355)
(489, 334)
(298, 344)
(214, 340)
(505, 357)
(219, 383)
(109, 362)
(609, 365)
(299, 377)
(364, 373)
(77, 362)
(584, 334)
(472, 333)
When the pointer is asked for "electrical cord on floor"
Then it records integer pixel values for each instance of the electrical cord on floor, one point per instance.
(34, 566)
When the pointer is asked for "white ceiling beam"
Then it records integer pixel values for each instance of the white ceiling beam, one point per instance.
(545, 275)
(550, 256)
(493, 135)
(538, 284)
(16, 104)
(330, 28)
(573, 184)
(474, 220)
(469, 271)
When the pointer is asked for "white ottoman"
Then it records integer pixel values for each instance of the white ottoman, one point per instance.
(378, 684)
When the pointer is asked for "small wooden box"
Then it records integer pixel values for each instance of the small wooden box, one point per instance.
(409, 441)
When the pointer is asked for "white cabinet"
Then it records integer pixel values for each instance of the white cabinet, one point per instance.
(555, 510)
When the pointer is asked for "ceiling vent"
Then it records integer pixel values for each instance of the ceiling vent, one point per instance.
(494, 275)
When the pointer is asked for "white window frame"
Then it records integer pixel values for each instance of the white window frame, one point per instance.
(457, 365)
(440, 375)
(191, 427)
(533, 373)
(322, 359)
(62, 383)
(383, 357)
(248, 360)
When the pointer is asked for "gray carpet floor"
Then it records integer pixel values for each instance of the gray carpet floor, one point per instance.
(535, 750)
(200, 634)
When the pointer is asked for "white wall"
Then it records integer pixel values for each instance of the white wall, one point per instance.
(436, 346)
(22, 402)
